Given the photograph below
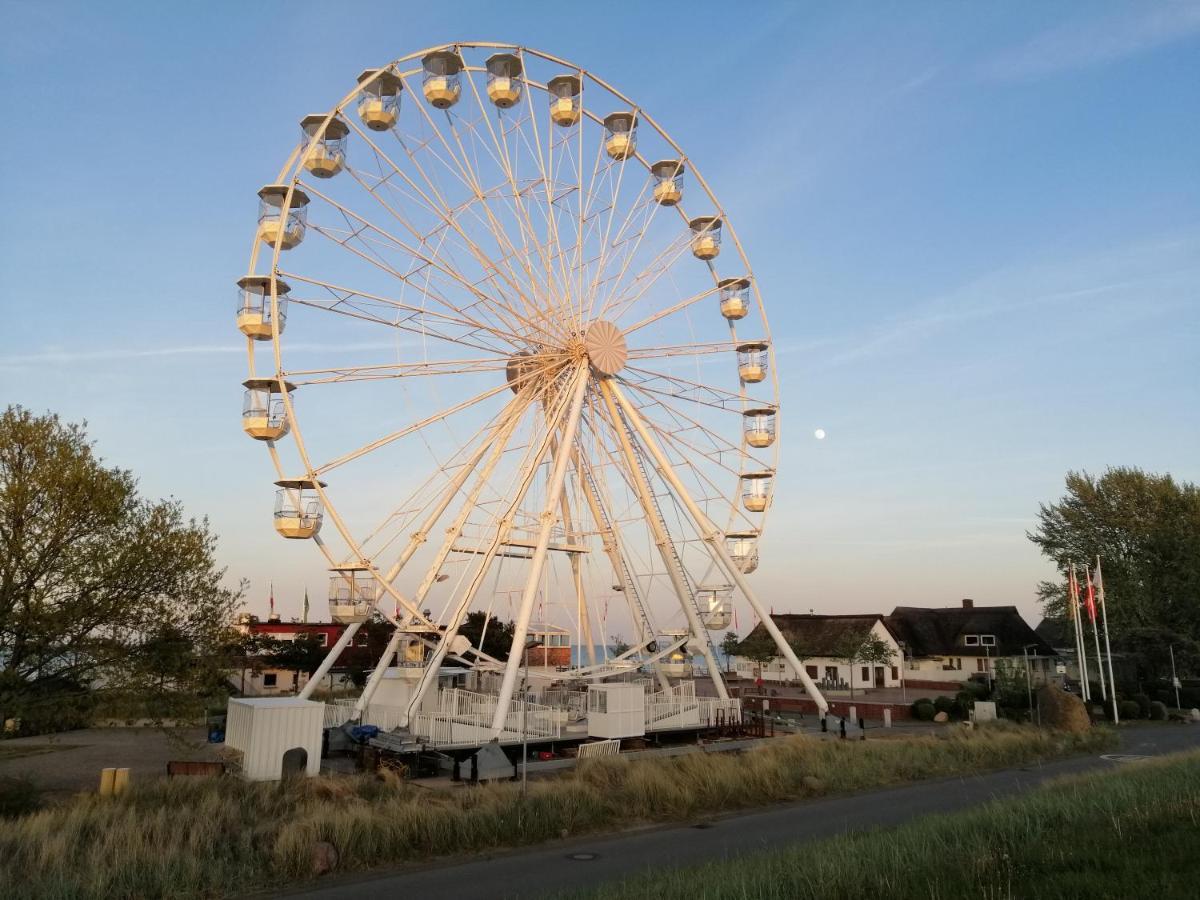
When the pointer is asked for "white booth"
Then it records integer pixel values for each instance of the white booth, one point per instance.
(276, 736)
(616, 710)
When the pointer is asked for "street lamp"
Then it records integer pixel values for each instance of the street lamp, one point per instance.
(1028, 683)
(529, 645)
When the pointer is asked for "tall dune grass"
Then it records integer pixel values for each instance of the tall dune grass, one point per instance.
(1129, 832)
(212, 837)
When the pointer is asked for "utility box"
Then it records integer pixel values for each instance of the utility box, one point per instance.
(276, 736)
(616, 710)
(984, 711)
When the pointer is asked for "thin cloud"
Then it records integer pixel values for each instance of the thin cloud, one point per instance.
(1094, 42)
(58, 356)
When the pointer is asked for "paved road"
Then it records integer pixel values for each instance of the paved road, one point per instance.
(584, 862)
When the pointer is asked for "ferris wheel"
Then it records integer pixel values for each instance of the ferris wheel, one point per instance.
(503, 342)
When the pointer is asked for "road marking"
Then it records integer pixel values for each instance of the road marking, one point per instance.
(583, 857)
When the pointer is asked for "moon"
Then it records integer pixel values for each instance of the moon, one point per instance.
(819, 434)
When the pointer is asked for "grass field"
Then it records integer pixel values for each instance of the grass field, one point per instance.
(209, 837)
(1128, 832)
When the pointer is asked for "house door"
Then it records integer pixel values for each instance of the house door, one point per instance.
(879, 682)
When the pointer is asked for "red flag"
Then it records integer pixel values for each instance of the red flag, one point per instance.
(271, 598)
(1091, 597)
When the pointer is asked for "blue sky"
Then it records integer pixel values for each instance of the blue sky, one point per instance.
(977, 230)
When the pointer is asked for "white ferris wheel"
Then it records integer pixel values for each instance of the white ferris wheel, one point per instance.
(507, 354)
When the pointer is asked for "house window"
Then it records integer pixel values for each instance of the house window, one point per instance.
(866, 673)
(269, 679)
(958, 663)
(811, 670)
(971, 640)
(895, 674)
(322, 639)
(831, 673)
(988, 640)
(981, 664)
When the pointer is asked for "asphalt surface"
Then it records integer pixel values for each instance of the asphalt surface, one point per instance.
(586, 862)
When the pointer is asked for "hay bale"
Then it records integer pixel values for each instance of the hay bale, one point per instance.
(1062, 710)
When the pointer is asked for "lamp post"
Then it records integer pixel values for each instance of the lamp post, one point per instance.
(529, 645)
(1028, 683)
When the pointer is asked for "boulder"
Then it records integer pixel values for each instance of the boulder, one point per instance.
(942, 717)
(1061, 710)
(324, 858)
(1194, 715)
(813, 783)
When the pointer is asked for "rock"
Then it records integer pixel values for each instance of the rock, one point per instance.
(1194, 715)
(324, 858)
(1061, 710)
(942, 717)
(813, 783)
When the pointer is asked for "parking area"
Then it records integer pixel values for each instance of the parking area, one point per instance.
(71, 760)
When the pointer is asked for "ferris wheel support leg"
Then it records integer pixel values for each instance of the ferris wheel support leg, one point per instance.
(611, 541)
(538, 558)
(663, 541)
(330, 657)
(715, 539)
(501, 430)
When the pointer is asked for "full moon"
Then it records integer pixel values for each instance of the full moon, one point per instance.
(819, 434)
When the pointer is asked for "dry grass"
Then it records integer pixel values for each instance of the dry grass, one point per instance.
(202, 837)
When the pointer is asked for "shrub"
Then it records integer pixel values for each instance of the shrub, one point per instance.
(977, 689)
(19, 796)
(1158, 711)
(918, 702)
(924, 711)
(963, 703)
(944, 704)
(1143, 703)
(1129, 709)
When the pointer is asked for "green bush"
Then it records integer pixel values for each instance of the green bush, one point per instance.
(19, 796)
(944, 704)
(1143, 703)
(918, 702)
(923, 711)
(964, 701)
(977, 689)
(1158, 711)
(1129, 709)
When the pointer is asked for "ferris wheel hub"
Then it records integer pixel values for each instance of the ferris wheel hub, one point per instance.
(605, 346)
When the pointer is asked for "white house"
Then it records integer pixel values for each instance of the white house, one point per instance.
(824, 645)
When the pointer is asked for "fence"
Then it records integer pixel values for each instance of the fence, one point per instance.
(338, 712)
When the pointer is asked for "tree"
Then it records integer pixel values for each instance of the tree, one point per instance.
(863, 647)
(304, 654)
(617, 645)
(1146, 529)
(729, 646)
(758, 647)
(497, 641)
(96, 581)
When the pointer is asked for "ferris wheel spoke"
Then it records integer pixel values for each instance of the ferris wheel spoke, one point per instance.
(685, 389)
(469, 178)
(670, 311)
(503, 311)
(702, 348)
(720, 444)
(616, 306)
(411, 313)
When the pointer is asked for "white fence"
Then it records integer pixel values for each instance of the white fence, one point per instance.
(677, 707)
(338, 712)
(594, 749)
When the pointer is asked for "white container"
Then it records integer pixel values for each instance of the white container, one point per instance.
(271, 731)
(616, 710)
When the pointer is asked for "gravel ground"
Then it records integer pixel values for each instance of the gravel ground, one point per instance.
(71, 760)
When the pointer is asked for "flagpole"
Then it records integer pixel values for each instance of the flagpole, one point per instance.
(1080, 643)
(1107, 646)
(1095, 632)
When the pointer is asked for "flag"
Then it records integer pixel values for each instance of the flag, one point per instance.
(271, 598)
(1091, 598)
(306, 604)
(1072, 594)
(1098, 581)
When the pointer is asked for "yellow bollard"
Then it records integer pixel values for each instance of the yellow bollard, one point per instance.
(107, 779)
(121, 781)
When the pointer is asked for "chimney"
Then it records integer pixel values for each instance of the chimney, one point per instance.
(968, 603)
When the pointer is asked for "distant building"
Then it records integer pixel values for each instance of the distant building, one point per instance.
(956, 643)
(261, 680)
(934, 647)
(819, 641)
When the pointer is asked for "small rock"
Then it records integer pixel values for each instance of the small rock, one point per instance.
(942, 717)
(813, 783)
(324, 858)
(1194, 715)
